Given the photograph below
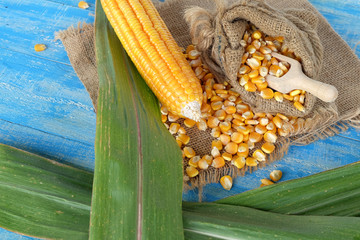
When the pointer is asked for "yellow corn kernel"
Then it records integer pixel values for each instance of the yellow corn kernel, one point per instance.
(259, 155)
(279, 96)
(226, 156)
(263, 71)
(172, 117)
(183, 138)
(243, 129)
(226, 182)
(243, 150)
(283, 117)
(244, 79)
(83, 5)
(277, 121)
(215, 132)
(256, 34)
(263, 121)
(268, 147)
(299, 106)
(203, 164)
(251, 122)
(205, 108)
(237, 137)
(163, 118)
(296, 98)
(242, 108)
(221, 92)
(255, 137)
(253, 63)
(254, 73)
(202, 126)
(261, 86)
(225, 126)
(182, 130)
(225, 139)
(267, 93)
(174, 128)
(250, 49)
(217, 143)
(260, 129)
(251, 162)
(293, 93)
(213, 122)
(302, 99)
(39, 47)
(266, 182)
(275, 175)
(228, 103)
(191, 171)
(194, 54)
(288, 97)
(195, 63)
(238, 161)
(179, 143)
(256, 43)
(194, 161)
(258, 55)
(270, 137)
(230, 109)
(218, 162)
(250, 87)
(190, 48)
(258, 80)
(216, 105)
(276, 71)
(231, 148)
(189, 123)
(159, 59)
(220, 114)
(189, 152)
(248, 115)
(265, 50)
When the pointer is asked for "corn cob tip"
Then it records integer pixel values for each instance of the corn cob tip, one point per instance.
(192, 111)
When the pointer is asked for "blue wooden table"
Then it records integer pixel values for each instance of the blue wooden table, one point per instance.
(45, 109)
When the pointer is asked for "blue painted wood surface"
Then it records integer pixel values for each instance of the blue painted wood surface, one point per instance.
(45, 109)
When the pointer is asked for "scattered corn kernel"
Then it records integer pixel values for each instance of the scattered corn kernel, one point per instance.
(299, 106)
(266, 182)
(268, 147)
(276, 175)
(39, 47)
(218, 162)
(83, 5)
(226, 182)
(189, 152)
(191, 171)
(251, 162)
(194, 161)
(238, 161)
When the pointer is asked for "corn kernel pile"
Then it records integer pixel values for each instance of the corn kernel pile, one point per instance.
(242, 137)
(257, 63)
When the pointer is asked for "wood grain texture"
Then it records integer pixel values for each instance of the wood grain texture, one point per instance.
(45, 109)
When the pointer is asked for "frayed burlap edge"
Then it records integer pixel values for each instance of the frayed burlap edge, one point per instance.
(79, 45)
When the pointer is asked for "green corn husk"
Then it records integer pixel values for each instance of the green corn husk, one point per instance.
(220, 221)
(43, 198)
(328, 193)
(137, 190)
(62, 204)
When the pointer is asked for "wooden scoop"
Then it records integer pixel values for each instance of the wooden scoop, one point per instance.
(296, 79)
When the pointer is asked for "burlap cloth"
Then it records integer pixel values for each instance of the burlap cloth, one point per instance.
(325, 57)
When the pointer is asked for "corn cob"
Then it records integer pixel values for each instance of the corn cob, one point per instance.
(155, 53)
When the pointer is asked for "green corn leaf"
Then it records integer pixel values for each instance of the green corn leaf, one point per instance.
(220, 221)
(42, 198)
(334, 192)
(45, 199)
(137, 190)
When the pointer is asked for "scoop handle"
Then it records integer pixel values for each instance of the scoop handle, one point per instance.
(323, 91)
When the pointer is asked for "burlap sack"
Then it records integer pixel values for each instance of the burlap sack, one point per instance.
(218, 34)
(340, 67)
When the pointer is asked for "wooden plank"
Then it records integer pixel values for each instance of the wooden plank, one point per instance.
(43, 96)
(300, 161)
(344, 17)
(24, 23)
(52, 146)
